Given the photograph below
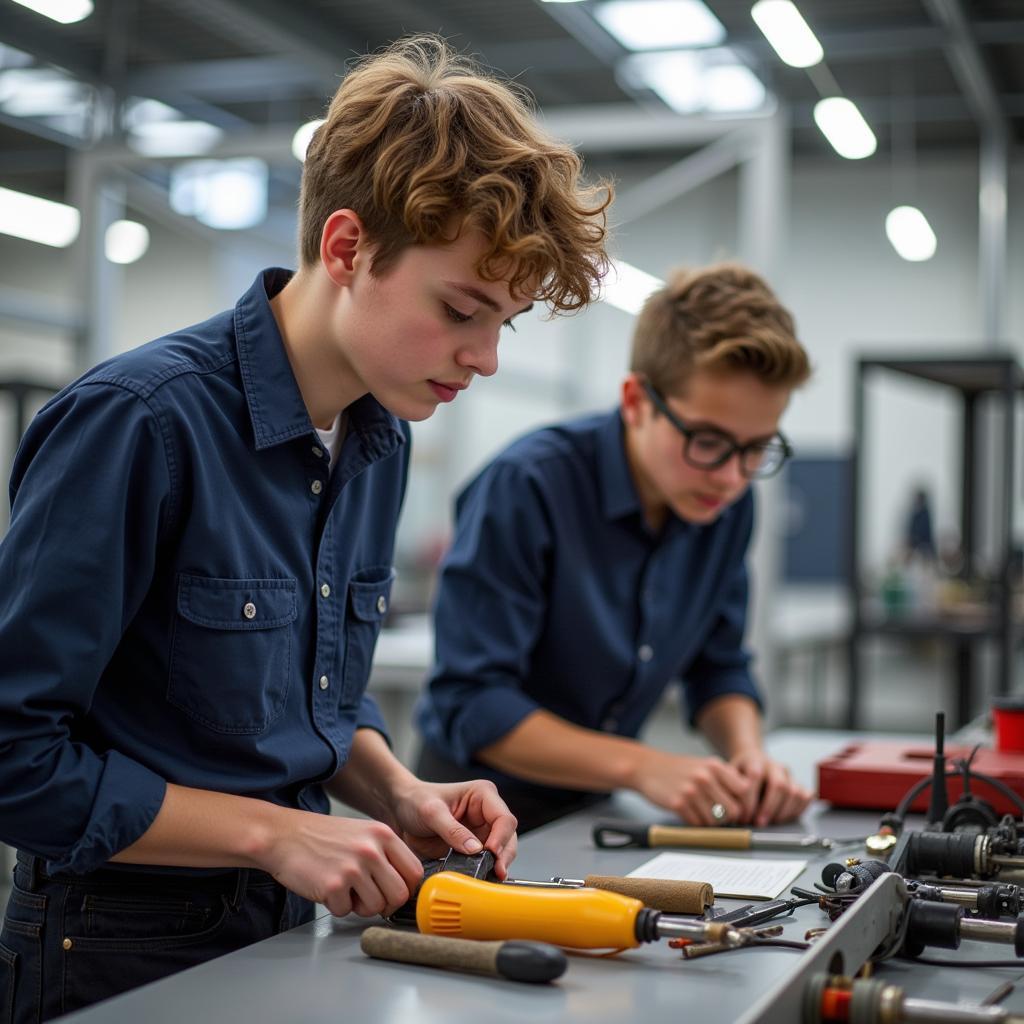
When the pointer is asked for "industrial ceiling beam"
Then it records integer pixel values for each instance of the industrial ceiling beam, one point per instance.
(973, 77)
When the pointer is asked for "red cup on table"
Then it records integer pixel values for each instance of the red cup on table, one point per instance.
(1008, 723)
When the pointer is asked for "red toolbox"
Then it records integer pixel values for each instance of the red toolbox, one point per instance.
(875, 775)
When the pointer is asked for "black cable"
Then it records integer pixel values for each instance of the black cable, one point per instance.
(908, 798)
(779, 943)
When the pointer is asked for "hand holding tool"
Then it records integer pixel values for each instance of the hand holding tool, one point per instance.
(455, 905)
(517, 961)
(675, 896)
(615, 834)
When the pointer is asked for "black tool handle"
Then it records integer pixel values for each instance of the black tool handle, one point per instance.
(611, 835)
(750, 915)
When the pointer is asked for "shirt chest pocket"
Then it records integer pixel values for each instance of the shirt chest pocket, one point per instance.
(369, 592)
(231, 652)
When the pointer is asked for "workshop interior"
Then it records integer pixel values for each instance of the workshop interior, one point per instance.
(866, 158)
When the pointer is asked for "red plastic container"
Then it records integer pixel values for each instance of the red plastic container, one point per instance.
(1008, 723)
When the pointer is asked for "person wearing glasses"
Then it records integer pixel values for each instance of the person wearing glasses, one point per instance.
(598, 560)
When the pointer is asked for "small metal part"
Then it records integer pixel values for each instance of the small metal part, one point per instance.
(996, 996)
(718, 812)
(880, 844)
(790, 841)
(699, 949)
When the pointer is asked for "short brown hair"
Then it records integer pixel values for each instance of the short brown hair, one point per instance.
(422, 143)
(720, 318)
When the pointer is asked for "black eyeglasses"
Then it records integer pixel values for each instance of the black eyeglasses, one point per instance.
(707, 448)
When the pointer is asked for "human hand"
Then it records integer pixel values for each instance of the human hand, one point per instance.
(773, 796)
(467, 816)
(347, 864)
(691, 786)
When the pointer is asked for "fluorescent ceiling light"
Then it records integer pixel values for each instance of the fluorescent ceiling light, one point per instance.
(302, 138)
(12, 58)
(39, 92)
(791, 37)
(64, 11)
(842, 124)
(696, 81)
(627, 287)
(37, 219)
(225, 194)
(126, 241)
(910, 234)
(139, 111)
(732, 89)
(660, 24)
(174, 138)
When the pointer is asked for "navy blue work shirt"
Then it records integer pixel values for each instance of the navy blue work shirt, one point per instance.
(555, 594)
(188, 594)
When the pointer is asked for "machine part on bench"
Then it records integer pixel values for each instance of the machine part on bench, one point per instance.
(871, 923)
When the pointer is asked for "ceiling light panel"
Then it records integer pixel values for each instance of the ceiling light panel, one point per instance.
(36, 219)
(627, 287)
(660, 24)
(790, 36)
(696, 81)
(910, 234)
(64, 11)
(845, 128)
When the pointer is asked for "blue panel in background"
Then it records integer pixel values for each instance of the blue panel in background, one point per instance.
(816, 509)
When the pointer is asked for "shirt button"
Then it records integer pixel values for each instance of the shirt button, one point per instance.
(645, 653)
(318, 452)
(324, 682)
(249, 611)
(325, 590)
(382, 604)
(316, 486)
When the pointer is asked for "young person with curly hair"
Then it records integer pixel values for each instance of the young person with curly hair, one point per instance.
(199, 556)
(598, 560)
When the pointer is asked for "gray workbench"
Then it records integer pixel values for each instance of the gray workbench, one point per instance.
(317, 974)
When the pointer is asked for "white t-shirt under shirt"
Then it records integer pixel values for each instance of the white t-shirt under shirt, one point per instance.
(332, 438)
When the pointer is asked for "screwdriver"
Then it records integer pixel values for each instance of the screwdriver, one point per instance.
(455, 905)
(621, 834)
(676, 896)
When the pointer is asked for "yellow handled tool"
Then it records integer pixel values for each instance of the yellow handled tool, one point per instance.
(455, 905)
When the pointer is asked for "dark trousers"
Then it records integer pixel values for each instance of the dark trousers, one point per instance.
(533, 805)
(71, 940)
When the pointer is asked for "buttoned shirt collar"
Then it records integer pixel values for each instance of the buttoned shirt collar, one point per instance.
(276, 407)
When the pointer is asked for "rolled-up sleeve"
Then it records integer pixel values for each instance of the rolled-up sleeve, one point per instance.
(493, 579)
(90, 495)
(369, 717)
(723, 664)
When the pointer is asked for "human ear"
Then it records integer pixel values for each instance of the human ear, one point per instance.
(342, 240)
(632, 400)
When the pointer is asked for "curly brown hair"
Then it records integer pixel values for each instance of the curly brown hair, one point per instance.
(422, 144)
(719, 318)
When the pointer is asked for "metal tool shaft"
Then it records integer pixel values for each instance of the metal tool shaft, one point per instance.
(927, 1011)
(980, 930)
